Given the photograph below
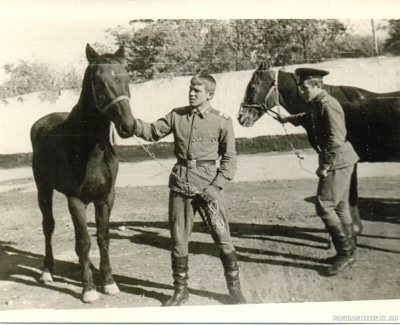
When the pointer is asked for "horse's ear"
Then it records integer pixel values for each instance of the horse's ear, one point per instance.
(264, 66)
(91, 54)
(120, 53)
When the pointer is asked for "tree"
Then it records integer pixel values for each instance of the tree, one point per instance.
(159, 48)
(38, 76)
(216, 53)
(355, 46)
(392, 43)
(294, 41)
(165, 48)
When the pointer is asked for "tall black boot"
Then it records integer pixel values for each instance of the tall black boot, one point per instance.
(351, 235)
(231, 268)
(345, 252)
(180, 274)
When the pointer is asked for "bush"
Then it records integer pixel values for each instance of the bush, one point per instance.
(38, 76)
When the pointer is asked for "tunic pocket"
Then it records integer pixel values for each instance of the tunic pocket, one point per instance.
(208, 141)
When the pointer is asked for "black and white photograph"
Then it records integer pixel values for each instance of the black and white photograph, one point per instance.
(200, 161)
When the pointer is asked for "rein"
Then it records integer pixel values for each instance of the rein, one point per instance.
(274, 89)
(213, 208)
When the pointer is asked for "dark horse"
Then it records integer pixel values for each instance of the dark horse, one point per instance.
(72, 154)
(372, 120)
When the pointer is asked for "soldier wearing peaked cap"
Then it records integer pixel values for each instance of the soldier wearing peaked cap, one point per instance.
(337, 160)
(309, 73)
(202, 135)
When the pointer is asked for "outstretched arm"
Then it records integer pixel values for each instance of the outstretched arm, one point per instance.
(156, 130)
(297, 119)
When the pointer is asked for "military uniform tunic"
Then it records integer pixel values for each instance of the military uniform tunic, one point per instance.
(327, 119)
(197, 136)
(329, 132)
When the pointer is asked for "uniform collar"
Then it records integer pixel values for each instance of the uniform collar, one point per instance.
(201, 113)
(320, 96)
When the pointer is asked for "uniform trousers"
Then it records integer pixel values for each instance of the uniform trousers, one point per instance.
(181, 221)
(332, 203)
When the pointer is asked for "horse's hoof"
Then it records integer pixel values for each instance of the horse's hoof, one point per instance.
(46, 277)
(90, 296)
(111, 289)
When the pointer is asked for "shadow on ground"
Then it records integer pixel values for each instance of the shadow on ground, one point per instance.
(375, 209)
(25, 268)
(147, 233)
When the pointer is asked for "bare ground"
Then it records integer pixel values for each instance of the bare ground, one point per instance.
(280, 241)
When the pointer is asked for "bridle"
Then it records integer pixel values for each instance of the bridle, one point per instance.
(274, 89)
(268, 110)
(110, 104)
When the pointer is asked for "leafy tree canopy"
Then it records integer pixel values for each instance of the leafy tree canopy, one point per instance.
(38, 76)
(177, 47)
(392, 44)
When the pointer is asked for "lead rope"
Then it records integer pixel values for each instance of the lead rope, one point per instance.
(329, 239)
(215, 221)
(277, 104)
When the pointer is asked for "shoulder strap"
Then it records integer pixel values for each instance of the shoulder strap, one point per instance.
(225, 116)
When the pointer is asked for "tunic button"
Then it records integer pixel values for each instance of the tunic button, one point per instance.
(196, 127)
(194, 140)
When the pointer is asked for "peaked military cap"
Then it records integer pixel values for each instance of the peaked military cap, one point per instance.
(310, 73)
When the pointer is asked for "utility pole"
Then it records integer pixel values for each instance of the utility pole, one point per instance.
(374, 38)
(237, 46)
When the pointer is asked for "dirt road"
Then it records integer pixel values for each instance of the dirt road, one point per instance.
(282, 247)
(251, 168)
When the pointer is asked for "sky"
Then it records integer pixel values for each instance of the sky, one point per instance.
(58, 31)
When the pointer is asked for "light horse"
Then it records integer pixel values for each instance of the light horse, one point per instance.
(372, 119)
(72, 154)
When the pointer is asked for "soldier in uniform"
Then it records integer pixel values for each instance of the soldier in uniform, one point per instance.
(336, 163)
(201, 136)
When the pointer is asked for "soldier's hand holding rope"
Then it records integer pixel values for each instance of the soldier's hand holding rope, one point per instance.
(207, 206)
(280, 118)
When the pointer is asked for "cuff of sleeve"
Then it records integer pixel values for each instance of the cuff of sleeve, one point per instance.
(139, 127)
(219, 182)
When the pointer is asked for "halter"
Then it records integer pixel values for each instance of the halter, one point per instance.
(263, 106)
(268, 110)
(114, 101)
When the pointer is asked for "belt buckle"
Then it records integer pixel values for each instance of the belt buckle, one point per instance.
(191, 163)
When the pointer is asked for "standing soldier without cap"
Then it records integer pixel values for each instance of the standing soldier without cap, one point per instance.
(201, 136)
(336, 163)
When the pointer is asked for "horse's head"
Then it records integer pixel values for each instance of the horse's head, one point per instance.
(259, 96)
(109, 82)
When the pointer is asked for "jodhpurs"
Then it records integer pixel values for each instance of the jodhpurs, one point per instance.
(181, 220)
(332, 203)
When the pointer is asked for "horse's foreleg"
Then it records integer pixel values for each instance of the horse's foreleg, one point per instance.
(103, 210)
(45, 198)
(82, 247)
(353, 203)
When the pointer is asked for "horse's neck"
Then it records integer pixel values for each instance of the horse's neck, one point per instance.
(86, 121)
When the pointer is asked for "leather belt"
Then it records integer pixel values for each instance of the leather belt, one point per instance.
(192, 163)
